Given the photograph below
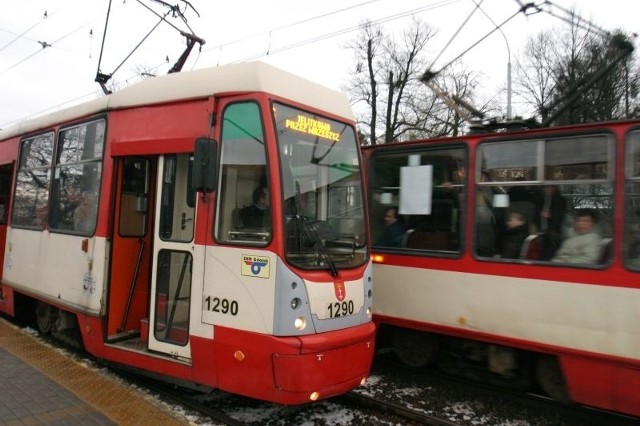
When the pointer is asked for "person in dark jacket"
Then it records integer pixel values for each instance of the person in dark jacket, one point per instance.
(514, 235)
(394, 229)
(253, 215)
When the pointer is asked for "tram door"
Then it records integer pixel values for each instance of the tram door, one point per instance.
(173, 252)
(6, 177)
(131, 257)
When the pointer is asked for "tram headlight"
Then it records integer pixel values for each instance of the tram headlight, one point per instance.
(300, 323)
(295, 303)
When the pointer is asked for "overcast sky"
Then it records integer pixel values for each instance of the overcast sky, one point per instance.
(303, 37)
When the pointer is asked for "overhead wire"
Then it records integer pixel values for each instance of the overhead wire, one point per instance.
(22, 35)
(313, 39)
(291, 25)
(462, 25)
(342, 31)
(44, 44)
(429, 74)
(572, 18)
(385, 19)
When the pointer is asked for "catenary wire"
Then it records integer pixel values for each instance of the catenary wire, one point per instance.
(301, 43)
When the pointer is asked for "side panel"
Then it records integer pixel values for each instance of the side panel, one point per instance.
(604, 384)
(55, 266)
(546, 312)
(239, 288)
(592, 329)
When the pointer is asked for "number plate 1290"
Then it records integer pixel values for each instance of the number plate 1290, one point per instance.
(340, 309)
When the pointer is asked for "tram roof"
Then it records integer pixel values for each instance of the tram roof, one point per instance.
(243, 77)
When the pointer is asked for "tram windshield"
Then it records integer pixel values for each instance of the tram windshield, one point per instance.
(322, 191)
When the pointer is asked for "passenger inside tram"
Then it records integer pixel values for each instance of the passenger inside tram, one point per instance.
(585, 245)
(517, 231)
(253, 216)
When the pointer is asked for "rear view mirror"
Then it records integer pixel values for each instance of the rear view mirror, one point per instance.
(205, 165)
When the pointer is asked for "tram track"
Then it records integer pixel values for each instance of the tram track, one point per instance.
(536, 402)
(435, 392)
(401, 412)
(390, 396)
(178, 396)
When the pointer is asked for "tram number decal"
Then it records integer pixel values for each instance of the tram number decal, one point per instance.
(222, 306)
(341, 309)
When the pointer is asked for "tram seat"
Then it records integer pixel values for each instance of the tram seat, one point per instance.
(606, 250)
(531, 247)
(236, 218)
(405, 237)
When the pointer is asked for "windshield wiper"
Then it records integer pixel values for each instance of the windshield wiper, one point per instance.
(318, 242)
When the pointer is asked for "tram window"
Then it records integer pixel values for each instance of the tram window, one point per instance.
(173, 297)
(632, 202)
(243, 215)
(432, 225)
(177, 211)
(134, 201)
(584, 158)
(76, 181)
(31, 200)
(549, 193)
(509, 161)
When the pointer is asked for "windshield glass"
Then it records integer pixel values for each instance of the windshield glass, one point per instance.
(322, 189)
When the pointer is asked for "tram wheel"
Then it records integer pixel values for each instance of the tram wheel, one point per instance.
(414, 348)
(45, 317)
(550, 378)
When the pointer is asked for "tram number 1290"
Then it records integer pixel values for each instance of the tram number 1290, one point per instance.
(340, 309)
(223, 306)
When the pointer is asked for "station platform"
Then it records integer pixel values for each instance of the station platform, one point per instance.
(40, 385)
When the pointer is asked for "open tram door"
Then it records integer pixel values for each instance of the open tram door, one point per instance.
(6, 180)
(173, 257)
(152, 254)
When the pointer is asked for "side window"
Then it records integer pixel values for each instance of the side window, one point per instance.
(178, 199)
(76, 181)
(243, 214)
(418, 198)
(632, 202)
(173, 297)
(549, 200)
(32, 187)
(134, 201)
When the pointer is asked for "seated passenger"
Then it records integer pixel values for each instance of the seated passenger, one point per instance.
(517, 231)
(394, 229)
(584, 246)
(253, 216)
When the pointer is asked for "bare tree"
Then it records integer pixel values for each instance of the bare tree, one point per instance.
(385, 81)
(392, 102)
(363, 86)
(451, 118)
(576, 75)
(534, 73)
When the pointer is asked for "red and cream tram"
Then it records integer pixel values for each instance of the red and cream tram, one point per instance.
(131, 225)
(557, 307)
